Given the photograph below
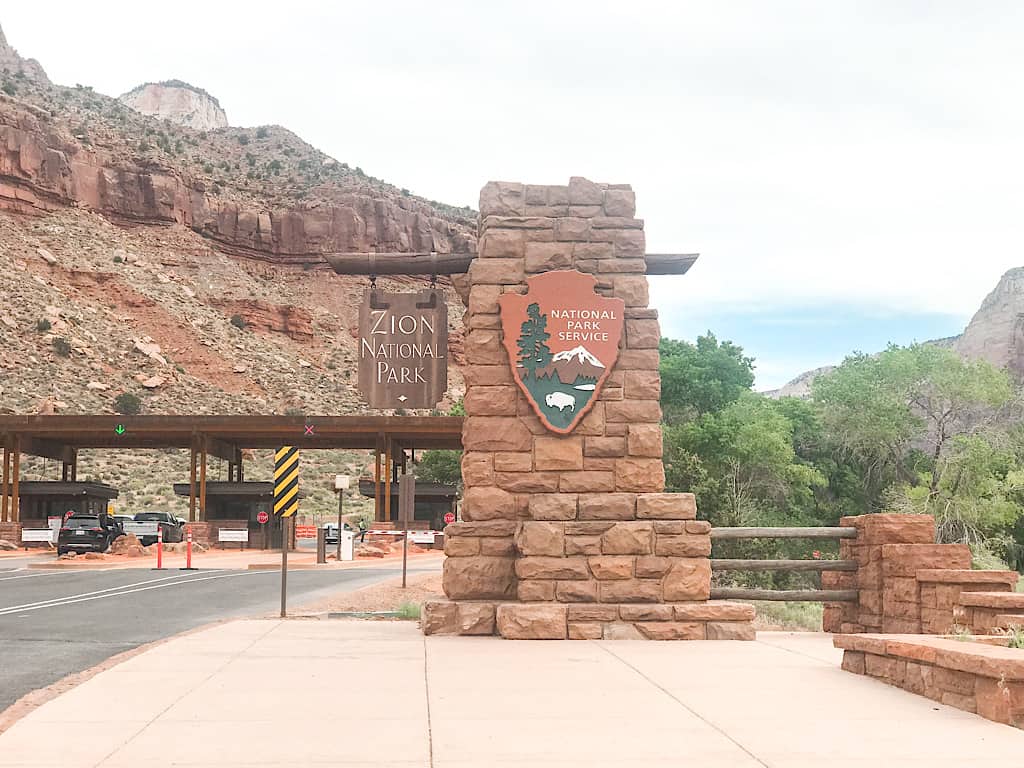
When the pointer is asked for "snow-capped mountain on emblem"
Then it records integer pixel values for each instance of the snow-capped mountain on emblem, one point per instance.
(562, 340)
(574, 365)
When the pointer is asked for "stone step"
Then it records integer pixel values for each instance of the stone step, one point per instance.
(967, 576)
(1010, 601)
(1007, 620)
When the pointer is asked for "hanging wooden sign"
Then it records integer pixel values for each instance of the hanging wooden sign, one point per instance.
(403, 349)
(562, 340)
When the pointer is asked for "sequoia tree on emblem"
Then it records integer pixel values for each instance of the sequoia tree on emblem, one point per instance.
(562, 340)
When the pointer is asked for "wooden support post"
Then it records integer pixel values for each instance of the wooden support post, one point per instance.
(202, 480)
(192, 482)
(376, 481)
(5, 488)
(387, 476)
(15, 476)
(64, 471)
(74, 465)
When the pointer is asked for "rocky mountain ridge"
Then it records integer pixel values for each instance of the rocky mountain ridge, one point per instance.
(179, 102)
(995, 333)
(185, 267)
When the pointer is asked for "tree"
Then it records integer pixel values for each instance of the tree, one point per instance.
(442, 466)
(128, 404)
(702, 378)
(533, 336)
(882, 409)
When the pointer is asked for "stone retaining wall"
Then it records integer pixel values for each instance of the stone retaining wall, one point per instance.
(973, 676)
(906, 582)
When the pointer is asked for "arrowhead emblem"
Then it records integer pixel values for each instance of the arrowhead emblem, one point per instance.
(562, 340)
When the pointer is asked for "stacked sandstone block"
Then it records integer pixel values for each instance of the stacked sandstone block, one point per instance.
(570, 535)
(942, 593)
(890, 550)
(976, 677)
(987, 613)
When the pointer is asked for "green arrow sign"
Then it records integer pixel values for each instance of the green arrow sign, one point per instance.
(119, 429)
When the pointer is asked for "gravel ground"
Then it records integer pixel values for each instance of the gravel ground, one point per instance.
(386, 596)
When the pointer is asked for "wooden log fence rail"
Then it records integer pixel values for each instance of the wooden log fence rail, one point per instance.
(783, 595)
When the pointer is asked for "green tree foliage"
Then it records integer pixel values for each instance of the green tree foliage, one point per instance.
(442, 466)
(534, 352)
(913, 429)
(703, 377)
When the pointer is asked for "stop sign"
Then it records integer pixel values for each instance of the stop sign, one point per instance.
(449, 517)
(262, 518)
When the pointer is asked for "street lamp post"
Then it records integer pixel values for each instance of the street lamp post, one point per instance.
(340, 485)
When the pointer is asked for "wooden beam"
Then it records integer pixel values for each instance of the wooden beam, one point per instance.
(727, 534)
(786, 595)
(192, 483)
(387, 479)
(722, 564)
(458, 263)
(15, 477)
(202, 478)
(5, 489)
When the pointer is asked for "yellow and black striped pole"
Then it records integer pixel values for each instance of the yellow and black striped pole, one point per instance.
(286, 504)
(286, 481)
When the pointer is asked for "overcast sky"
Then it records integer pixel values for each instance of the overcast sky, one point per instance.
(850, 171)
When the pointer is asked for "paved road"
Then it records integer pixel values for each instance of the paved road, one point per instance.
(55, 623)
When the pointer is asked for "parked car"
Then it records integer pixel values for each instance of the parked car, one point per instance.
(122, 519)
(86, 533)
(173, 527)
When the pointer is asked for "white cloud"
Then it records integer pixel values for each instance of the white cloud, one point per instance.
(866, 153)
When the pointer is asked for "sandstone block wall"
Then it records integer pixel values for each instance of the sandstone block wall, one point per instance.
(976, 677)
(570, 535)
(907, 584)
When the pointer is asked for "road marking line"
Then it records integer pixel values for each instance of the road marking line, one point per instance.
(50, 573)
(55, 604)
(97, 592)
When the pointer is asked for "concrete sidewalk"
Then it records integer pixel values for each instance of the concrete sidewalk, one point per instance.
(345, 693)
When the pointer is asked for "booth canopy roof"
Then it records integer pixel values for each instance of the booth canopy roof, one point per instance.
(54, 436)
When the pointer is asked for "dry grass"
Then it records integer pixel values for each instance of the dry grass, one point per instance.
(386, 596)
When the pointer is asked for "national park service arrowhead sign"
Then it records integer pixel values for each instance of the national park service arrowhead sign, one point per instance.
(562, 340)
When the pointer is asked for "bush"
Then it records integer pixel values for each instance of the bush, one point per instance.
(118, 259)
(43, 325)
(62, 346)
(9, 88)
(408, 610)
(238, 321)
(127, 404)
(243, 139)
(261, 132)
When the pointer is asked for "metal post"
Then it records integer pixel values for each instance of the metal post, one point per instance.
(286, 525)
(406, 506)
(341, 504)
(321, 545)
(376, 482)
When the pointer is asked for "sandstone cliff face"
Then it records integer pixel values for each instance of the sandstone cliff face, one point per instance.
(15, 66)
(42, 168)
(178, 102)
(996, 332)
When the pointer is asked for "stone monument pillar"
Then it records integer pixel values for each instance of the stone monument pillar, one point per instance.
(566, 531)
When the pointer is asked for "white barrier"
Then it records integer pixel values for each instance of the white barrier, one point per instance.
(37, 534)
(142, 529)
(236, 535)
(416, 537)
